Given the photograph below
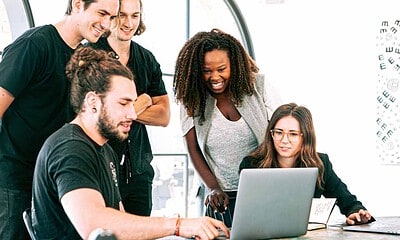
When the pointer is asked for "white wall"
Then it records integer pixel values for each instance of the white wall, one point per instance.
(324, 54)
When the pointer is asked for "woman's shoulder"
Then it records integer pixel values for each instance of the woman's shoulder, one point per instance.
(260, 79)
(323, 156)
(248, 162)
(325, 160)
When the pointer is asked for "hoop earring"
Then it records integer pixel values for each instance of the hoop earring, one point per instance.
(94, 110)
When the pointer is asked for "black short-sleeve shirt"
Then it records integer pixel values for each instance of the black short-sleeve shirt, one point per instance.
(148, 79)
(33, 71)
(70, 160)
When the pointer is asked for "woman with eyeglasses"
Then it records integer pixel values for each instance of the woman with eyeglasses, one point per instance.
(290, 142)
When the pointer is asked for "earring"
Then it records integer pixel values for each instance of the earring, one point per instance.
(94, 110)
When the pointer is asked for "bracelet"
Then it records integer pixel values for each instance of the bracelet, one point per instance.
(178, 225)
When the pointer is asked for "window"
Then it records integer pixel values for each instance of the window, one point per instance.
(5, 31)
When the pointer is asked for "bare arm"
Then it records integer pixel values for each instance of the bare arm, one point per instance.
(6, 98)
(87, 211)
(216, 196)
(153, 111)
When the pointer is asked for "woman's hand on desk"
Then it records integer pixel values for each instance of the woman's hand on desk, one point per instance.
(360, 217)
(218, 200)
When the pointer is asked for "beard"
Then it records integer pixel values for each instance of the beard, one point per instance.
(107, 128)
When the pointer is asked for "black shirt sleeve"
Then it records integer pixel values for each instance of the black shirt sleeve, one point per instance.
(335, 188)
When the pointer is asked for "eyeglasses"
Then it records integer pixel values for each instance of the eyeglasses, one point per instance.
(293, 136)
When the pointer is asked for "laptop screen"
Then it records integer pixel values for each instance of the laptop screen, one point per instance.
(273, 202)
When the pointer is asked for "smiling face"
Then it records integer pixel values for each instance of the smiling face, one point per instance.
(96, 19)
(288, 151)
(124, 27)
(217, 71)
(118, 112)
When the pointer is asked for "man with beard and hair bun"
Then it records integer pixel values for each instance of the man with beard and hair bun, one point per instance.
(75, 184)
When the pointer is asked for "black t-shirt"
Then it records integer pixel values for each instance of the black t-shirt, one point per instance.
(33, 71)
(70, 160)
(148, 79)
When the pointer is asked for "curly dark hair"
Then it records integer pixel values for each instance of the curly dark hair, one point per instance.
(188, 85)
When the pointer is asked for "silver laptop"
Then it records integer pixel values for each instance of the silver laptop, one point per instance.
(386, 225)
(273, 203)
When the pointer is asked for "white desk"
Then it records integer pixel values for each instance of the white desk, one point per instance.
(331, 233)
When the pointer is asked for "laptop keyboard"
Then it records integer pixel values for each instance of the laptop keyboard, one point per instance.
(221, 235)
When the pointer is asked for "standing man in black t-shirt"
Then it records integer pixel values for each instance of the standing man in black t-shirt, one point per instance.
(34, 99)
(135, 154)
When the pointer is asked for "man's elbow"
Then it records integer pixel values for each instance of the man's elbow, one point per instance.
(166, 121)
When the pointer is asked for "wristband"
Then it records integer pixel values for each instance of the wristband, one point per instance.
(178, 225)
